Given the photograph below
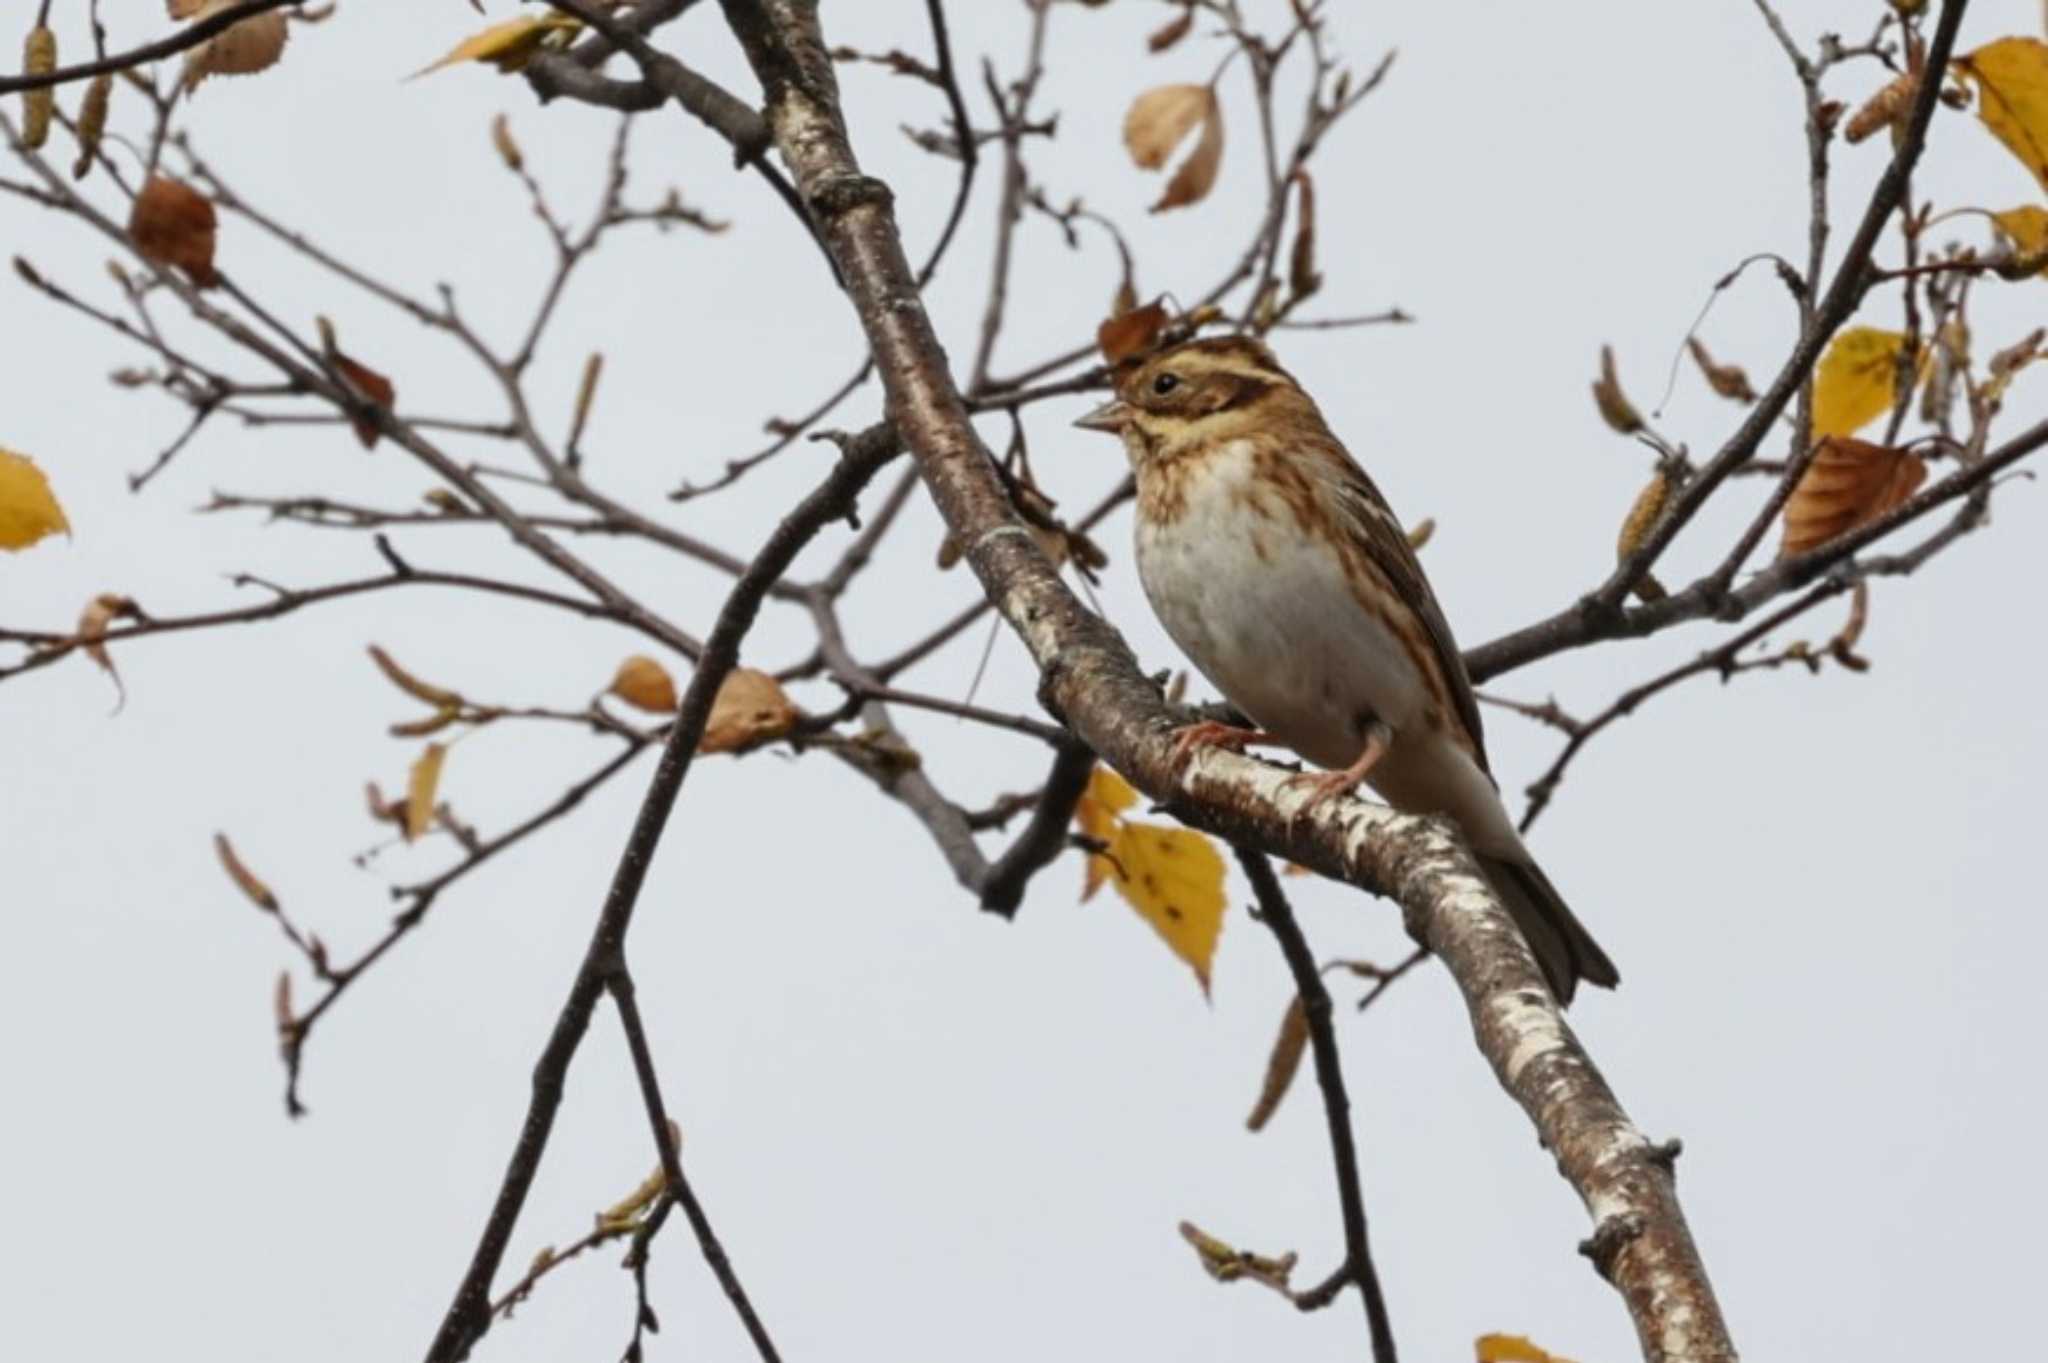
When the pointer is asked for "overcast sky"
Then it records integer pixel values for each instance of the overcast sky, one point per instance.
(924, 1132)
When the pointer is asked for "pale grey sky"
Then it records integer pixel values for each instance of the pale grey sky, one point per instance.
(924, 1132)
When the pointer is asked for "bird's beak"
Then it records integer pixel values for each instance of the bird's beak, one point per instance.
(1111, 416)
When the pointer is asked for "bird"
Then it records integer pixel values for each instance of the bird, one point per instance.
(1277, 567)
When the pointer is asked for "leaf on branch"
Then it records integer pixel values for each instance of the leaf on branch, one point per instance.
(1173, 877)
(2026, 229)
(38, 58)
(173, 224)
(751, 709)
(509, 46)
(1856, 380)
(1158, 121)
(241, 49)
(1615, 408)
(28, 509)
(1511, 1349)
(644, 684)
(245, 880)
(1282, 1065)
(1172, 31)
(100, 612)
(440, 697)
(420, 788)
(1302, 276)
(1130, 333)
(2012, 97)
(371, 385)
(1728, 380)
(1885, 109)
(1848, 483)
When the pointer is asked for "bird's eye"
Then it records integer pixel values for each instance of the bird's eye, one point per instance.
(1165, 384)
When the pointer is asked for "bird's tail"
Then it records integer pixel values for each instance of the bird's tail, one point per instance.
(1563, 947)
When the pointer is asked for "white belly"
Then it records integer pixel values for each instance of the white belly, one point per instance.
(1270, 619)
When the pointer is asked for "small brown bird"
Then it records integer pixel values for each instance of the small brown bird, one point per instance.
(1275, 564)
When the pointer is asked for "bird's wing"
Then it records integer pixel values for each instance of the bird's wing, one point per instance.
(1377, 530)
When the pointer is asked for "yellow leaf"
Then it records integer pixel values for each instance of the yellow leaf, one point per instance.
(1511, 1349)
(1157, 122)
(645, 684)
(1173, 877)
(751, 708)
(2027, 226)
(511, 45)
(2012, 97)
(419, 790)
(1854, 382)
(240, 49)
(1107, 796)
(28, 509)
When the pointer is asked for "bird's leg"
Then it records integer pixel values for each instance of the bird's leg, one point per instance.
(1210, 734)
(1328, 785)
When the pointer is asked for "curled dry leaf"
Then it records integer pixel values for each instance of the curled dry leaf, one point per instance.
(440, 697)
(100, 612)
(1843, 645)
(508, 149)
(245, 880)
(1615, 408)
(381, 809)
(751, 708)
(511, 45)
(28, 509)
(1856, 379)
(38, 58)
(1885, 109)
(374, 387)
(1131, 333)
(1157, 122)
(1302, 277)
(92, 122)
(1282, 1065)
(241, 49)
(1726, 379)
(421, 785)
(173, 224)
(2012, 97)
(1172, 31)
(1848, 483)
(645, 684)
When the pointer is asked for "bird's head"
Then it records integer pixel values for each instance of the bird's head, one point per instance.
(1207, 390)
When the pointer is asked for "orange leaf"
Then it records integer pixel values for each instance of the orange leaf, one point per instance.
(644, 684)
(1157, 122)
(173, 224)
(751, 709)
(1511, 1349)
(1130, 333)
(1848, 483)
(373, 386)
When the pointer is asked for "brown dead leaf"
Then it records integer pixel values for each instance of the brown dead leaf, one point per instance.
(420, 788)
(173, 224)
(1131, 333)
(645, 684)
(241, 49)
(751, 708)
(373, 386)
(245, 880)
(100, 612)
(1848, 483)
(1282, 1065)
(1615, 408)
(440, 697)
(1726, 379)
(1172, 31)
(1157, 122)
